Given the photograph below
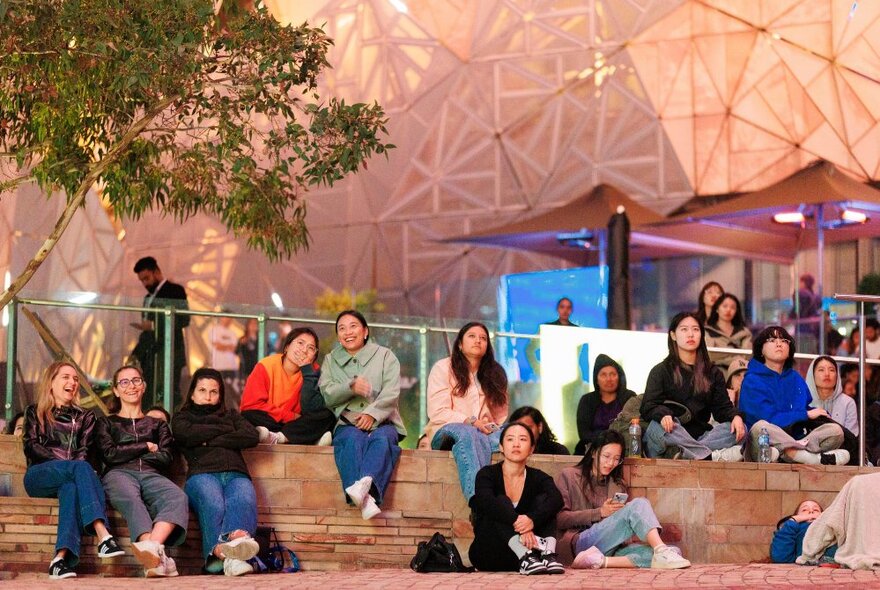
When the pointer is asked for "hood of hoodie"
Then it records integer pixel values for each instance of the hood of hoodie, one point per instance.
(602, 361)
(817, 401)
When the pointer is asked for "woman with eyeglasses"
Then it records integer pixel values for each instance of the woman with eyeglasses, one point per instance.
(681, 395)
(137, 451)
(281, 397)
(58, 443)
(776, 399)
(596, 522)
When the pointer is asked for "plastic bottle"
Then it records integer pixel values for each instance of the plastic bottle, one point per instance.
(764, 446)
(635, 438)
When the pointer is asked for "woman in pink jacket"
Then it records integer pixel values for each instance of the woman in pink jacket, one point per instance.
(467, 403)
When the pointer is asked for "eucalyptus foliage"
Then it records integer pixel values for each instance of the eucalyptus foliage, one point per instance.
(167, 106)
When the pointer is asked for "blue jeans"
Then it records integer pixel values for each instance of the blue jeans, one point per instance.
(636, 518)
(657, 439)
(224, 502)
(471, 449)
(361, 454)
(80, 499)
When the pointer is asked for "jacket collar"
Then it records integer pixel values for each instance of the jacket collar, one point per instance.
(362, 356)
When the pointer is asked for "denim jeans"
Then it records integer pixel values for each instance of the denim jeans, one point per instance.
(657, 439)
(80, 499)
(224, 502)
(360, 454)
(636, 518)
(471, 449)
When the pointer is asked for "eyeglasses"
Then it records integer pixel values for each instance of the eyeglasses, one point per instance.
(778, 341)
(126, 382)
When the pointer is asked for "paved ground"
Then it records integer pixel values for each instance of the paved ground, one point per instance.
(701, 576)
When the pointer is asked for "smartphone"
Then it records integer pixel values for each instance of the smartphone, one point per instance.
(492, 426)
(620, 498)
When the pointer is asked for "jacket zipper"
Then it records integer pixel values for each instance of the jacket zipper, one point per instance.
(136, 440)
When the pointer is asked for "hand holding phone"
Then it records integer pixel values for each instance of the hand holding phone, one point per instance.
(620, 498)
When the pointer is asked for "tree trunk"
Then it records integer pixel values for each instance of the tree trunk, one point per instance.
(78, 198)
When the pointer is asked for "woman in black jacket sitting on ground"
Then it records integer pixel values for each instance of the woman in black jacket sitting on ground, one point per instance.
(514, 511)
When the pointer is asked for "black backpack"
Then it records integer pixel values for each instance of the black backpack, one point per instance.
(438, 555)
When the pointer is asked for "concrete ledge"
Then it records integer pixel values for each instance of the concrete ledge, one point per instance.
(716, 512)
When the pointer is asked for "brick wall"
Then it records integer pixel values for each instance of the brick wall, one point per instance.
(717, 513)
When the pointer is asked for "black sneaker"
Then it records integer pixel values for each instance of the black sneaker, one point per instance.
(532, 564)
(551, 562)
(58, 570)
(109, 548)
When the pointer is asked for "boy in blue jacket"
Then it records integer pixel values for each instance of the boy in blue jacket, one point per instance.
(775, 397)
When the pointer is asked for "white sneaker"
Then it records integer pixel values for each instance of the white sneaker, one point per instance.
(266, 437)
(148, 552)
(728, 455)
(326, 439)
(359, 490)
(236, 567)
(241, 548)
(835, 457)
(370, 509)
(668, 558)
(589, 559)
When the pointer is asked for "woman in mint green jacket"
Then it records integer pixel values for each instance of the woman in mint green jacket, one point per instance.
(360, 382)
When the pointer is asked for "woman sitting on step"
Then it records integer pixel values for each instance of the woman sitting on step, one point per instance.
(137, 451)
(514, 507)
(218, 484)
(281, 397)
(58, 439)
(596, 521)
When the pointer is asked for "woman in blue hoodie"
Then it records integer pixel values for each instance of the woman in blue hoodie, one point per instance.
(788, 540)
(774, 397)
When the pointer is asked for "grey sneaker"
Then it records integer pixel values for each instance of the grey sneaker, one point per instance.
(728, 455)
(242, 548)
(236, 567)
(148, 552)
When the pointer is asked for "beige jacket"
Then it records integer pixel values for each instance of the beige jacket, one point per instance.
(444, 408)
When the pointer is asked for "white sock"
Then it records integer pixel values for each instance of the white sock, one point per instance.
(57, 558)
(806, 457)
(104, 539)
(660, 547)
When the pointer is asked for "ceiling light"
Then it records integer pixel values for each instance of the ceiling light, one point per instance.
(276, 299)
(789, 217)
(84, 297)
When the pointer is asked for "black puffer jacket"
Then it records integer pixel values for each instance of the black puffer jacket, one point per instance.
(69, 438)
(122, 443)
(211, 439)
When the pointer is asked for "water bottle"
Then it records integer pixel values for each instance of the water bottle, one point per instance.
(635, 438)
(764, 446)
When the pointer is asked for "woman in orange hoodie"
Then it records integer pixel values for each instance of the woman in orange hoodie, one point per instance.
(281, 397)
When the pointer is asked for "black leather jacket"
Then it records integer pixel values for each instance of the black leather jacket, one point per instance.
(69, 438)
(122, 443)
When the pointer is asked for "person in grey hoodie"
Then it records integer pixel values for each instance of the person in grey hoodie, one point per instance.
(824, 384)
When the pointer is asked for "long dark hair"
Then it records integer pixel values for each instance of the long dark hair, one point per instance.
(738, 320)
(591, 458)
(546, 436)
(490, 374)
(205, 373)
(769, 333)
(10, 426)
(702, 364)
(701, 307)
(114, 404)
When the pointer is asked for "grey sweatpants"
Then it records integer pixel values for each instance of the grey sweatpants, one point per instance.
(145, 497)
(822, 439)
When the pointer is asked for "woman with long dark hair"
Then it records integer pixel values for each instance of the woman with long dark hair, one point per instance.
(467, 403)
(58, 442)
(596, 522)
(218, 484)
(361, 386)
(545, 440)
(513, 511)
(281, 397)
(726, 328)
(683, 392)
(709, 294)
(137, 451)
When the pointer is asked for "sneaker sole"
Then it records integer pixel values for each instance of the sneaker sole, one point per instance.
(671, 566)
(242, 550)
(148, 559)
(62, 576)
(555, 571)
(113, 554)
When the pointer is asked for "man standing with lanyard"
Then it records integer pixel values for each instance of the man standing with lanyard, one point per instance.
(149, 350)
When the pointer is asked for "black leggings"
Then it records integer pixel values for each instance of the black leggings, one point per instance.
(305, 430)
(490, 552)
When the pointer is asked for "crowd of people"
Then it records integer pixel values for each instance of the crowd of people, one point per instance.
(695, 406)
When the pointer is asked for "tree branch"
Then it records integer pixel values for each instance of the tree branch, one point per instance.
(79, 196)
